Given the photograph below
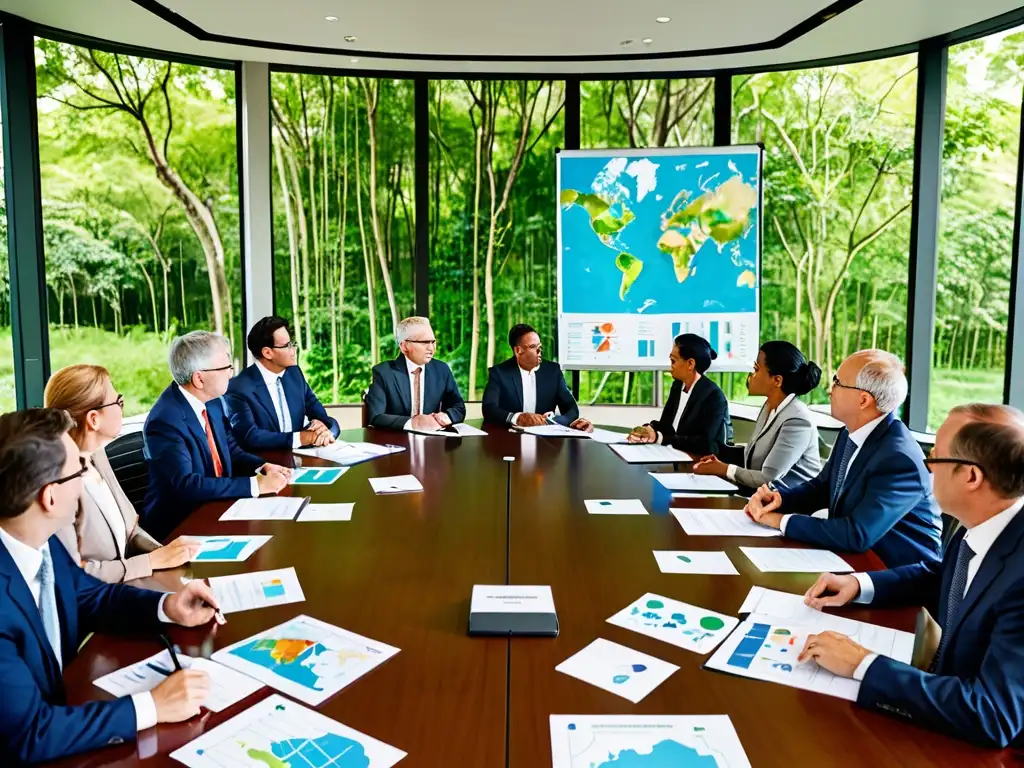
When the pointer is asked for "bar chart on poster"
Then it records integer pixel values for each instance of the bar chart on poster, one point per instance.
(653, 243)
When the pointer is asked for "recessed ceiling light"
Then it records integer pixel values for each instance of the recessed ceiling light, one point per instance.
(354, 61)
(647, 40)
(331, 18)
(350, 38)
(663, 19)
(626, 42)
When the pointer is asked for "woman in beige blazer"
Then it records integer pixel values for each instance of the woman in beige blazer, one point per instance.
(105, 538)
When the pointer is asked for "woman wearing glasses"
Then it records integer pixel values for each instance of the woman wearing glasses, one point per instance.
(106, 538)
(784, 444)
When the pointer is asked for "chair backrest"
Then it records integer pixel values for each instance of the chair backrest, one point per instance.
(129, 465)
(365, 411)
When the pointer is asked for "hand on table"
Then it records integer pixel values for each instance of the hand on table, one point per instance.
(531, 420)
(443, 419)
(193, 605)
(179, 696)
(835, 652)
(425, 423)
(843, 589)
(178, 552)
(317, 434)
(582, 425)
(644, 434)
(271, 481)
(710, 465)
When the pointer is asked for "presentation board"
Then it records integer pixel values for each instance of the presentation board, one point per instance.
(653, 243)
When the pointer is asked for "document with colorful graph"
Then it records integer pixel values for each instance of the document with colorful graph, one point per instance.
(680, 624)
(227, 549)
(261, 589)
(645, 741)
(306, 658)
(617, 669)
(767, 648)
(279, 733)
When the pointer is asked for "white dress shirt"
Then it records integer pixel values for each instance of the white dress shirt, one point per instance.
(28, 562)
(103, 497)
(730, 471)
(859, 437)
(684, 398)
(270, 379)
(411, 367)
(198, 406)
(980, 539)
(529, 393)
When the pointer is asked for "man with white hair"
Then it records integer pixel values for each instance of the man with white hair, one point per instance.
(875, 484)
(414, 391)
(193, 457)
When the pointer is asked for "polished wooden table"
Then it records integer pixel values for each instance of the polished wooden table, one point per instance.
(402, 571)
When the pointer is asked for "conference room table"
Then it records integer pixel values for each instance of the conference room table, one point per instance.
(402, 572)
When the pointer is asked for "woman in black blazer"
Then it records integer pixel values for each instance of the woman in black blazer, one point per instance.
(696, 416)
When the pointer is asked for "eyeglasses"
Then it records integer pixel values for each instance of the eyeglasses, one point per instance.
(74, 475)
(289, 345)
(119, 402)
(536, 346)
(930, 463)
(424, 342)
(214, 370)
(837, 383)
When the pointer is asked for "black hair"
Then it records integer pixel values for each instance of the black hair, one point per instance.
(799, 375)
(693, 347)
(32, 455)
(517, 333)
(262, 334)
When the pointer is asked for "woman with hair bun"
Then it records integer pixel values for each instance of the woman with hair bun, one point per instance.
(696, 416)
(784, 445)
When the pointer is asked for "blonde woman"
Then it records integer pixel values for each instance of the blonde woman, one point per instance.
(105, 538)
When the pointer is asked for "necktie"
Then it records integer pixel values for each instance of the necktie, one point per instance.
(282, 403)
(416, 391)
(844, 465)
(218, 468)
(48, 605)
(957, 587)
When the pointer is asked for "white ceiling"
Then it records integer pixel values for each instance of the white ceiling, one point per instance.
(537, 28)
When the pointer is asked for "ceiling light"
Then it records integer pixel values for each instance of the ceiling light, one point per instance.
(354, 61)
(350, 38)
(331, 18)
(626, 42)
(663, 19)
(647, 40)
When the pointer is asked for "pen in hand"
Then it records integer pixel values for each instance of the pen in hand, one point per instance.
(170, 649)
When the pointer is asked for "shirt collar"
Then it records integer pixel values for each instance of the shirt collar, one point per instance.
(197, 405)
(269, 376)
(524, 372)
(411, 366)
(982, 536)
(861, 435)
(27, 560)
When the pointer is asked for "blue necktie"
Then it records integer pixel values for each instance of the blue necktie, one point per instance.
(48, 605)
(844, 465)
(282, 403)
(957, 588)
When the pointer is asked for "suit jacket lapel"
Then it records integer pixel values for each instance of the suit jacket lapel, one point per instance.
(863, 455)
(517, 385)
(294, 397)
(264, 396)
(131, 517)
(404, 381)
(762, 417)
(192, 423)
(216, 418)
(67, 604)
(20, 595)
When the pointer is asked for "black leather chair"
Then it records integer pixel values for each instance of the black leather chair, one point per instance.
(129, 464)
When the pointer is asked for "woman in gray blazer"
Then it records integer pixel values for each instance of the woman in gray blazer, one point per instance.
(784, 445)
(105, 538)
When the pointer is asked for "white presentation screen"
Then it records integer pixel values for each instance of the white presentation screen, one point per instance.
(653, 243)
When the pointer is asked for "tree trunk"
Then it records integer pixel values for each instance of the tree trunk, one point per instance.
(152, 293)
(341, 234)
(74, 301)
(293, 269)
(371, 300)
(300, 215)
(474, 345)
(181, 277)
(59, 292)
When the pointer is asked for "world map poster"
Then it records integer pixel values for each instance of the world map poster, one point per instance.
(654, 243)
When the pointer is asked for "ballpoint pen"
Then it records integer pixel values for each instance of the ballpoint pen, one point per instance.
(170, 649)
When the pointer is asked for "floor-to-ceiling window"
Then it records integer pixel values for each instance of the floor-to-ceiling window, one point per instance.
(983, 111)
(7, 393)
(140, 210)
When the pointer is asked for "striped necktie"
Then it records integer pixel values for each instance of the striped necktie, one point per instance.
(957, 588)
(48, 605)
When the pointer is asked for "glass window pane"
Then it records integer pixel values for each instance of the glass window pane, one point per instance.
(140, 210)
(838, 169)
(7, 392)
(344, 225)
(983, 98)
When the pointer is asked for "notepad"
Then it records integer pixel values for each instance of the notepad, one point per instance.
(649, 453)
(397, 484)
(687, 481)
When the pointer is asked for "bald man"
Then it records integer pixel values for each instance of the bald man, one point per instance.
(875, 485)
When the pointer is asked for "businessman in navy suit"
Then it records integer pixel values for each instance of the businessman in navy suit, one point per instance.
(525, 390)
(48, 605)
(973, 687)
(414, 391)
(271, 407)
(875, 484)
(192, 455)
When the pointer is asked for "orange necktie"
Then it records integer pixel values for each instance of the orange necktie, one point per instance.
(218, 468)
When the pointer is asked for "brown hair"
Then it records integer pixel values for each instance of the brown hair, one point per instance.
(32, 455)
(994, 440)
(76, 389)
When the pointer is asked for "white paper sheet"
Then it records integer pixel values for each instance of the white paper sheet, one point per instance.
(790, 607)
(227, 549)
(316, 475)
(396, 484)
(306, 658)
(687, 481)
(461, 430)
(608, 437)
(503, 598)
(269, 508)
(348, 454)
(246, 591)
(694, 562)
(615, 507)
(617, 669)
(578, 741)
(766, 648)
(786, 560)
(552, 430)
(649, 453)
(275, 721)
(721, 522)
(324, 513)
(680, 624)
(227, 686)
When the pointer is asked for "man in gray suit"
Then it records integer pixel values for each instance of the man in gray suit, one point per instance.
(784, 445)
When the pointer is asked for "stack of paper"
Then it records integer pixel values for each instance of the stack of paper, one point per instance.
(687, 481)
(721, 522)
(396, 484)
(649, 453)
(270, 508)
(348, 454)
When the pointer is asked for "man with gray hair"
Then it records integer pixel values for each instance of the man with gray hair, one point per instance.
(414, 391)
(193, 457)
(875, 484)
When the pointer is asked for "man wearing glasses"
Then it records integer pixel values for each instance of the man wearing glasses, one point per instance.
(49, 605)
(875, 484)
(414, 391)
(525, 390)
(973, 685)
(271, 406)
(192, 455)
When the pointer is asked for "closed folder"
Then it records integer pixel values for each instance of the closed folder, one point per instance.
(927, 636)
